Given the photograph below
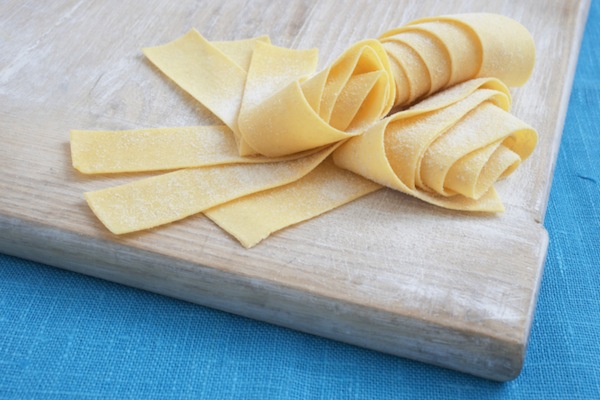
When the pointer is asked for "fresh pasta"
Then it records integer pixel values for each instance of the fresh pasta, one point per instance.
(423, 110)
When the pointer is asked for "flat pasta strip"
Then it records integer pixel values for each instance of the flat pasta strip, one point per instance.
(95, 152)
(253, 218)
(170, 197)
(205, 72)
(157, 149)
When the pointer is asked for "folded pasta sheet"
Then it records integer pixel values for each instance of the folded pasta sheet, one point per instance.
(448, 152)
(423, 110)
(433, 53)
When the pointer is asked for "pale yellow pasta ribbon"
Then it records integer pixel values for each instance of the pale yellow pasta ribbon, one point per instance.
(447, 152)
(434, 53)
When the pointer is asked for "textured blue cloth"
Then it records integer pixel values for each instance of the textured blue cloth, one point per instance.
(65, 335)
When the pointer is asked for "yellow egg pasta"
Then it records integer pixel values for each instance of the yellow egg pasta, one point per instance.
(252, 218)
(155, 149)
(449, 153)
(165, 198)
(438, 52)
(205, 72)
(423, 110)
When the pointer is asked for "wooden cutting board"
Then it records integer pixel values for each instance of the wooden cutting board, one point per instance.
(386, 272)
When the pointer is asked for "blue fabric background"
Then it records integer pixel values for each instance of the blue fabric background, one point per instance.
(65, 335)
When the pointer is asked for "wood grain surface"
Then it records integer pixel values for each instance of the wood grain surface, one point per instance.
(387, 272)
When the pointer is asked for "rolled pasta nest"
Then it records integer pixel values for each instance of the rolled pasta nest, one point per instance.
(423, 109)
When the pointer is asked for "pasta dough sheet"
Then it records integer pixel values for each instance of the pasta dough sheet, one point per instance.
(269, 165)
